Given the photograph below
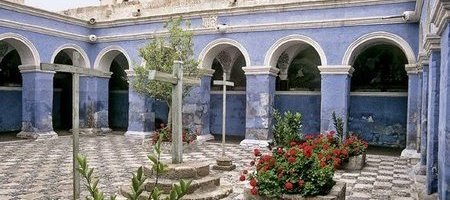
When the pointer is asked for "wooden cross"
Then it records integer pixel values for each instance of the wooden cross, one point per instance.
(177, 80)
(224, 83)
(76, 72)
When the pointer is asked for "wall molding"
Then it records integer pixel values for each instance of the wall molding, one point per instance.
(217, 46)
(261, 70)
(298, 93)
(99, 62)
(380, 94)
(441, 15)
(29, 55)
(336, 69)
(75, 47)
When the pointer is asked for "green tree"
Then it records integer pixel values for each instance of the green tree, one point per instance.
(159, 54)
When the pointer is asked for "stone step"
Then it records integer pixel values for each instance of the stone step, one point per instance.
(183, 171)
(198, 184)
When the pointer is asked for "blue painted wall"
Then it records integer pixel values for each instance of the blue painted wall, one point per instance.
(307, 105)
(11, 110)
(235, 114)
(379, 120)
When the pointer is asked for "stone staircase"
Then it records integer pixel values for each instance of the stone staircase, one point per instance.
(204, 186)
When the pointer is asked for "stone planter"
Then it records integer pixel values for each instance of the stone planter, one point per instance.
(166, 147)
(355, 162)
(336, 193)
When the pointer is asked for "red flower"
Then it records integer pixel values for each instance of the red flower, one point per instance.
(332, 133)
(257, 152)
(242, 178)
(252, 162)
(253, 182)
(254, 191)
(292, 152)
(293, 143)
(288, 186)
(323, 164)
(336, 162)
(291, 160)
(307, 150)
(345, 152)
(336, 152)
(325, 146)
(245, 171)
(301, 183)
(308, 137)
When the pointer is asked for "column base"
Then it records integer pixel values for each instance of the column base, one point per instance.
(420, 169)
(95, 131)
(255, 143)
(138, 134)
(203, 138)
(412, 155)
(38, 135)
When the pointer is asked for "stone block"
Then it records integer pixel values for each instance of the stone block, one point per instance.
(355, 162)
(336, 193)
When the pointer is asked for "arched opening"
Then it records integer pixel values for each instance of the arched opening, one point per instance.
(118, 93)
(229, 57)
(298, 82)
(62, 94)
(378, 98)
(9, 69)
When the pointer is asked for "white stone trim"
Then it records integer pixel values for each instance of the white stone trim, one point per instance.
(87, 62)
(277, 48)
(29, 55)
(100, 62)
(379, 94)
(231, 92)
(261, 70)
(14, 88)
(336, 69)
(432, 42)
(43, 30)
(252, 143)
(412, 68)
(138, 134)
(376, 37)
(213, 48)
(298, 93)
(441, 15)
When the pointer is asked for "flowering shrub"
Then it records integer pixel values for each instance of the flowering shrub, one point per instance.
(166, 135)
(287, 128)
(355, 146)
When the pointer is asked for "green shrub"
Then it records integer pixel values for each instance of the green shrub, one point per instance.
(287, 128)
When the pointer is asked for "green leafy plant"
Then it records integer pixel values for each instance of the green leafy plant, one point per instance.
(159, 54)
(91, 182)
(287, 128)
(338, 123)
(165, 134)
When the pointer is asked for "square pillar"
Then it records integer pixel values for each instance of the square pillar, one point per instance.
(196, 107)
(37, 103)
(94, 104)
(413, 113)
(141, 118)
(260, 94)
(433, 121)
(424, 117)
(444, 118)
(335, 94)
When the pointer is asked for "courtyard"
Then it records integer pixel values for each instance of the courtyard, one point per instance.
(43, 169)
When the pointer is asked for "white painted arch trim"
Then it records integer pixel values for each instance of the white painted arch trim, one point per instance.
(29, 55)
(87, 62)
(100, 59)
(270, 58)
(365, 41)
(206, 59)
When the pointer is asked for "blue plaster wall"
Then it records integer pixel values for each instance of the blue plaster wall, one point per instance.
(10, 110)
(307, 105)
(389, 119)
(235, 114)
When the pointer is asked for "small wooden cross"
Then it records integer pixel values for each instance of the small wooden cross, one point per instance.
(224, 83)
(177, 80)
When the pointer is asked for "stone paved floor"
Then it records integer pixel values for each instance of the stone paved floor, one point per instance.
(42, 169)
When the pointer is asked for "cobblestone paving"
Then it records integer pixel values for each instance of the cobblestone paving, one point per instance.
(42, 169)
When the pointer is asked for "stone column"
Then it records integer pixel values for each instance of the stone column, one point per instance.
(141, 118)
(424, 114)
(37, 103)
(94, 105)
(413, 113)
(433, 121)
(444, 119)
(335, 94)
(196, 107)
(260, 99)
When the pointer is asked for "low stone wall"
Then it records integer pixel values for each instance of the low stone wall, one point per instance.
(336, 193)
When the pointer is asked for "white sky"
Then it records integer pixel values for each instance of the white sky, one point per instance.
(58, 5)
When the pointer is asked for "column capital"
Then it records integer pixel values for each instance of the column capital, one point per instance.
(412, 68)
(261, 70)
(336, 69)
(33, 68)
(432, 42)
(130, 73)
(207, 72)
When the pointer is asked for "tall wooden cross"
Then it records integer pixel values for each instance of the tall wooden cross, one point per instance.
(177, 80)
(224, 83)
(76, 71)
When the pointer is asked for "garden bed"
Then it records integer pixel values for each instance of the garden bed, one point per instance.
(336, 193)
(166, 147)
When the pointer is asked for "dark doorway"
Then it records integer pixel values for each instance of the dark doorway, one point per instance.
(118, 94)
(62, 95)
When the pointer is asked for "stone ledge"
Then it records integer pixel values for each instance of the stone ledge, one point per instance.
(255, 143)
(138, 134)
(38, 135)
(337, 192)
(183, 171)
(165, 185)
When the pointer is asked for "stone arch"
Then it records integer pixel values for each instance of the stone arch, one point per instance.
(215, 47)
(365, 41)
(107, 55)
(285, 43)
(69, 49)
(29, 55)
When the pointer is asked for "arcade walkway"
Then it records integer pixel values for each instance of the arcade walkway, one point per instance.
(42, 169)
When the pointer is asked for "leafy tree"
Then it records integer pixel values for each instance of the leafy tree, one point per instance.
(159, 54)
